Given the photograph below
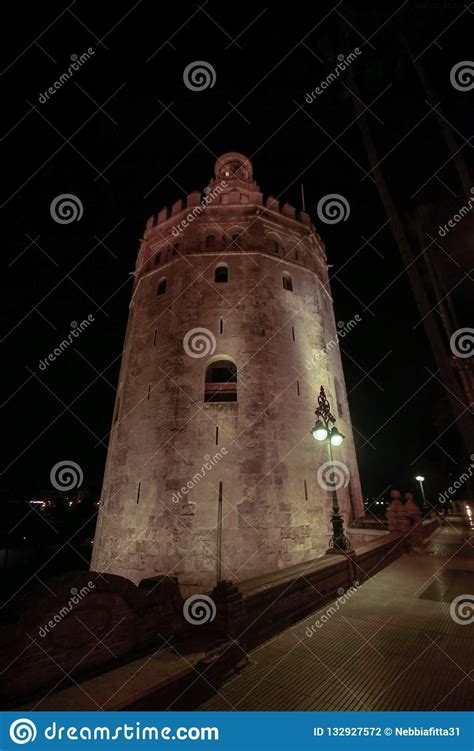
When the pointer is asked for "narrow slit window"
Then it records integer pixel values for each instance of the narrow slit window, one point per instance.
(293, 333)
(154, 338)
(298, 387)
(305, 490)
(158, 259)
(138, 491)
(217, 435)
(161, 289)
(149, 389)
(221, 326)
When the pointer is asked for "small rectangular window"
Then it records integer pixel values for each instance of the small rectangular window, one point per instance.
(157, 259)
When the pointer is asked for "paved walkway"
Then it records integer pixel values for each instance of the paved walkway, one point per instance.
(392, 645)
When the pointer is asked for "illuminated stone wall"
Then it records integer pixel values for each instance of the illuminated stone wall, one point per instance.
(264, 461)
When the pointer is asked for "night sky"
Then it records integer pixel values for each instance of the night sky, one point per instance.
(127, 137)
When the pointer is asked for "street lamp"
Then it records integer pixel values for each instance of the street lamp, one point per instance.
(325, 430)
(421, 480)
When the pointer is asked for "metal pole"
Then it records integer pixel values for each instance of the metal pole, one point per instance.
(339, 543)
(219, 536)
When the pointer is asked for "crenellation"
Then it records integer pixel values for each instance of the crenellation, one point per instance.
(162, 215)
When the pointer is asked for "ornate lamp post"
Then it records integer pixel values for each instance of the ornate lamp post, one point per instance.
(325, 430)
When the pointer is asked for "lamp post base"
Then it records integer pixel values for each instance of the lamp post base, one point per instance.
(339, 544)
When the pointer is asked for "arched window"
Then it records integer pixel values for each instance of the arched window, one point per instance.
(339, 397)
(161, 289)
(287, 282)
(271, 246)
(221, 273)
(221, 382)
(210, 241)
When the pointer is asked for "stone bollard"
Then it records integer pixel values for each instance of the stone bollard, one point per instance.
(228, 600)
(397, 519)
(413, 513)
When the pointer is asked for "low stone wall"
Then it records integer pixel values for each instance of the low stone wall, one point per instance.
(81, 624)
(268, 605)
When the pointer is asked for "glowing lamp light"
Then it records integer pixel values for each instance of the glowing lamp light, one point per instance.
(319, 432)
(336, 437)
(420, 478)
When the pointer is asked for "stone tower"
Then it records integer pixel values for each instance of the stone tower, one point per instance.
(212, 472)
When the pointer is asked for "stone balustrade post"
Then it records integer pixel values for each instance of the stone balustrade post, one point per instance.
(413, 513)
(397, 519)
